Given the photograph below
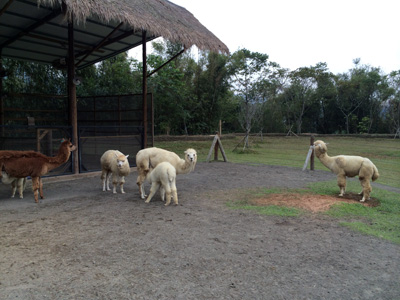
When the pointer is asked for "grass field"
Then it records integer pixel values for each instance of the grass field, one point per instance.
(382, 221)
(292, 151)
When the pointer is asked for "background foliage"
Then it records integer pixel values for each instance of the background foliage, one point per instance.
(245, 90)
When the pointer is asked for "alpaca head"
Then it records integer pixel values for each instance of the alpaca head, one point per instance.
(121, 160)
(191, 155)
(320, 148)
(68, 145)
(191, 158)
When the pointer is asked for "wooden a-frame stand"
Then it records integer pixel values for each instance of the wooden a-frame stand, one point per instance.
(215, 145)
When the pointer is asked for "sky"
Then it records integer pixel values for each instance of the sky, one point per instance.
(302, 33)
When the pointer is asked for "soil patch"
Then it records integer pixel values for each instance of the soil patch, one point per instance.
(310, 202)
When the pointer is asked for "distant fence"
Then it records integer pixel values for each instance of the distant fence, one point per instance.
(39, 122)
(95, 140)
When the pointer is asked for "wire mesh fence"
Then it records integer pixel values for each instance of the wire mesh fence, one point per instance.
(43, 139)
(95, 140)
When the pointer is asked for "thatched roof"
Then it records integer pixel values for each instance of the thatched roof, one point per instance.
(158, 17)
(37, 30)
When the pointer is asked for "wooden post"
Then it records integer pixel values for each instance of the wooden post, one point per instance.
(1, 95)
(312, 155)
(216, 144)
(216, 141)
(73, 111)
(144, 87)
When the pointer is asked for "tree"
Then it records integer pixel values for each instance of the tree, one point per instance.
(211, 90)
(360, 94)
(299, 95)
(392, 104)
(190, 96)
(28, 77)
(248, 71)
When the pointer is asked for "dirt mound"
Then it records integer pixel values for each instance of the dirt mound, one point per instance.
(311, 202)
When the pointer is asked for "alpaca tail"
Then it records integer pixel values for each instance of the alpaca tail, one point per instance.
(6, 179)
(171, 175)
(376, 174)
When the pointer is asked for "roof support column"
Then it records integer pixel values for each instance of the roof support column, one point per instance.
(73, 112)
(1, 92)
(144, 88)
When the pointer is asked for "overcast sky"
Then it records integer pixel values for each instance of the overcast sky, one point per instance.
(299, 33)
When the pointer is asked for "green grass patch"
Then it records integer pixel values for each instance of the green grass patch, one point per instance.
(381, 221)
(271, 210)
(291, 151)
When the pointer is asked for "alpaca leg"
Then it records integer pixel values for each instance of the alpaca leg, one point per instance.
(364, 176)
(20, 185)
(35, 188)
(121, 183)
(108, 181)
(168, 195)
(41, 188)
(162, 193)
(341, 181)
(142, 192)
(13, 188)
(153, 190)
(104, 179)
(174, 193)
(115, 183)
(367, 189)
(140, 182)
(143, 171)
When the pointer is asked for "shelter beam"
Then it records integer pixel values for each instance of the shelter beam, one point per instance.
(6, 6)
(166, 63)
(99, 44)
(144, 53)
(26, 31)
(73, 110)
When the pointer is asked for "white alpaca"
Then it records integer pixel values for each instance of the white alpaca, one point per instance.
(348, 166)
(163, 175)
(149, 158)
(115, 163)
(19, 183)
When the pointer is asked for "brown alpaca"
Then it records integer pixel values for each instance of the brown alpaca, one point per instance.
(21, 164)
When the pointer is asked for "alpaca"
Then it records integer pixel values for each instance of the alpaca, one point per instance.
(115, 163)
(149, 158)
(350, 166)
(22, 164)
(16, 183)
(163, 175)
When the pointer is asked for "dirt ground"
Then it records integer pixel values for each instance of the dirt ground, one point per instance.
(82, 243)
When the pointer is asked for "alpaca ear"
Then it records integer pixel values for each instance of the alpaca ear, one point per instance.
(127, 156)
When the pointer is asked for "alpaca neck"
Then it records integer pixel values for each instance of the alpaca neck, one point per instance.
(61, 158)
(325, 159)
(184, 167)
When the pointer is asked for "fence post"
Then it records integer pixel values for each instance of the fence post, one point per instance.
(312, 154)
(219, 133)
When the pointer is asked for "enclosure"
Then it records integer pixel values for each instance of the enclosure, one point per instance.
(103, 122)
